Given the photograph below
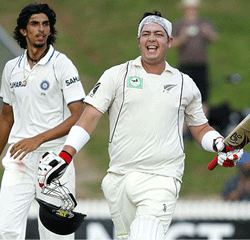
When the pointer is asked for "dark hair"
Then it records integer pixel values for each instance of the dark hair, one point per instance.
(23, 19)
(156, 13)
(151, 13)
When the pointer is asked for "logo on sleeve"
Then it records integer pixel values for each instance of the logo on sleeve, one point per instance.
(135, 82)
(71, 81)
(93, 91)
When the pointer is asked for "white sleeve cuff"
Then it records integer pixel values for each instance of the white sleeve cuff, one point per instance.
(77, 138)
(208, 140)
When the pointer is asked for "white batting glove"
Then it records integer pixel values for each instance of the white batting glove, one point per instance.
(227, 156)
(52, 167)
(231, 158)
(219, 144)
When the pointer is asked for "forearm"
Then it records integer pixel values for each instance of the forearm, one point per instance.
(181, 39)
(79, 136)
(212, 37)
(24, 146)
(89, 119)
(59, 131)
(5, 127)
(62, 129)
(5, 130)
(198, 132)
(209, 33)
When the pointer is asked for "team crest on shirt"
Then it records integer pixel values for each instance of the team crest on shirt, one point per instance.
(44, 85)
(135, 82)
(168, 87)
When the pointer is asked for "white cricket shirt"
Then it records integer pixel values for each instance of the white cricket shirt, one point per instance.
(39, 96)
(146, 113)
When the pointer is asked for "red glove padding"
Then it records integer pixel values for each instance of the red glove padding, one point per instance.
(231, 158)
(227, 156)
(52, 167)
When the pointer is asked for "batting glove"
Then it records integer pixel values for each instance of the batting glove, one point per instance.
(230, 159)
(219, 144)
(227, 156)
(52, 167)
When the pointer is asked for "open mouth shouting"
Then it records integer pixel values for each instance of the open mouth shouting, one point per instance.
(152, 48)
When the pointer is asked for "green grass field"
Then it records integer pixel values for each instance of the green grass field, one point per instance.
(97, 34)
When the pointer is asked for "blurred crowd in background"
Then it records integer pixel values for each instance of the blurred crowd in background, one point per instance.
(192, 36)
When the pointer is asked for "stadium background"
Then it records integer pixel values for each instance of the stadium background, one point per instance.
(97, 34)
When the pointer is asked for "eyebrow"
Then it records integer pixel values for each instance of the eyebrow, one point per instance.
(156, 31)
(35, 21)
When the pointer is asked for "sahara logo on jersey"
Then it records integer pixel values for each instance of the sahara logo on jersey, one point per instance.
(44, 85)
(72, 80)
(18, 84)
(135, 82)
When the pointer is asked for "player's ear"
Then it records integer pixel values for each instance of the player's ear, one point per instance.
(23, 32)
(138, 39)
(170, 41)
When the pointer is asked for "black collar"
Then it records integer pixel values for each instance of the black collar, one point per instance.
(35, 61)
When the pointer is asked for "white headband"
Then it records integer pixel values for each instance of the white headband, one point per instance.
(156, 19)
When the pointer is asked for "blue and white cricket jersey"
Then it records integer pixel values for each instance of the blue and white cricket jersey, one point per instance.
(40, 95)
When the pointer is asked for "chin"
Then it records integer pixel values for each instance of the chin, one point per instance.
(39, 45)
(152, 60)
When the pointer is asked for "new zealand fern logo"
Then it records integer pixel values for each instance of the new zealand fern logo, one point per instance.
(92, 93)
(168, 87)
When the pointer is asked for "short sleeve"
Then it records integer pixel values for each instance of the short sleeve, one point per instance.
(194, 114)
(103, 93)
(5, 85)
(69, 79)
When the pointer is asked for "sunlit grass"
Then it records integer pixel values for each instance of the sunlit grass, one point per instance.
(98, 34)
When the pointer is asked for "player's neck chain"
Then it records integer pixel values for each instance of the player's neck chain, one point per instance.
(35, 61)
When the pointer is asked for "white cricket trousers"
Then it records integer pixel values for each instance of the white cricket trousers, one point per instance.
(136, 194)
(19, 187)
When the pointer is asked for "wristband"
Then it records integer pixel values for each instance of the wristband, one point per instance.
(65, 156)
(208, 140)
(77, 138)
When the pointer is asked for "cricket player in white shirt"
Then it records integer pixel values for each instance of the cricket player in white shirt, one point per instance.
(42, 99)
(148, 101)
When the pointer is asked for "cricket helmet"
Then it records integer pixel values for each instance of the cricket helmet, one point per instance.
(60, 220)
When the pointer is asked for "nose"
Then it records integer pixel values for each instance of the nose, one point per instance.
(41, 27)
(151, 37)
